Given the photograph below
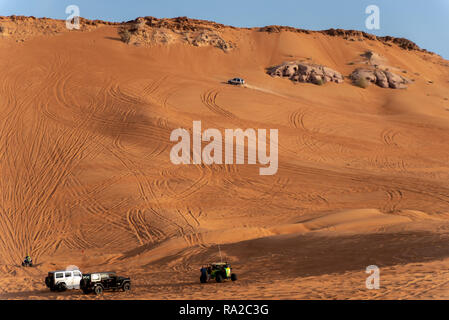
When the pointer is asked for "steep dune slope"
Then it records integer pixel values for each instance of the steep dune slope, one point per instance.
(86, 177)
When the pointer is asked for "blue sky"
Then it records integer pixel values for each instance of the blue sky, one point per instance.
(424, 22)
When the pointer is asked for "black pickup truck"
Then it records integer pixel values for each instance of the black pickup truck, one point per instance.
(99, 281)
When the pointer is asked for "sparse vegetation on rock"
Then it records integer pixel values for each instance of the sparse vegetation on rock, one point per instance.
(362, 83)
(124, 34)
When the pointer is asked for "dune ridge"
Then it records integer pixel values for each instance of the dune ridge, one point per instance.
(50, 26)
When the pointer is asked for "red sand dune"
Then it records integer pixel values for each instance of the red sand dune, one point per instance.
(86, 178)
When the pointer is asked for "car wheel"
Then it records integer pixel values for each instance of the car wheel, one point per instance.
(126, 286)
(233, 277)
(62, 287)
(98, 290)
(219, 278)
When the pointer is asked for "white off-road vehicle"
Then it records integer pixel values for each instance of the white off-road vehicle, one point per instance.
(63, 279)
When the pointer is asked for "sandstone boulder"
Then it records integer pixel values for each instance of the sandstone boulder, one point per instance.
(382, 78)
(306, 72)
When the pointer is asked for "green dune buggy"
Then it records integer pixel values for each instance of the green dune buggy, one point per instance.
(219, 271)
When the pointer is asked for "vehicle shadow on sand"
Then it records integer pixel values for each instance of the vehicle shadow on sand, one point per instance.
(113, 38)
(315, 254)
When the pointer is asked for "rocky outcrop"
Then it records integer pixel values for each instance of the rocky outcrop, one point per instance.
(151, 31)
(278, 29)
(382, 78)
(207, 38)
(179, 24)
(306, 72)
(350, 35)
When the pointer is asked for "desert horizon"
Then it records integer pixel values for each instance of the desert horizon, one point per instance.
(352, 172)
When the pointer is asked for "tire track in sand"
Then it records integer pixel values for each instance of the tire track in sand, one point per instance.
(209, 100)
